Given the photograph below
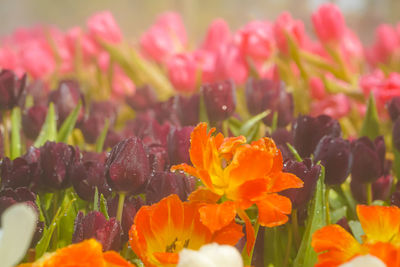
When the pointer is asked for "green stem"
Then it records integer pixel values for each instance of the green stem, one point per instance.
(225, 128)
(289, 246)
(369, 193)
(328, 217)
(6, 136)
(248, 258)
(120, 209)
(295, 226)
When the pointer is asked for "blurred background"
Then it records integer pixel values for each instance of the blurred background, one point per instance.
(135, 16)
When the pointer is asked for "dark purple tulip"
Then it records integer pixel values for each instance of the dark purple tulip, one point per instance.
(307, 131)
(281, 137)
(393, 107)
(15, 173)
(380, 189)
(395, 199)
(163, 184)
(11, 89)
(57, 161)
(95, 225)
(158, 158)
(309, 174)
(95, 122)
(144, 98)
(112, 139)
(178, 142)
(86, 176)
(335, 155)
(368, 159)
(165, 112)
(345, 224)
(39, 92)
(32, 156)
(131, 206)
(32, 121)
(1, 145)
(270, 95)
(127, 167)
(66, 98)
(396, 134)
(219, 99)
(187, 109)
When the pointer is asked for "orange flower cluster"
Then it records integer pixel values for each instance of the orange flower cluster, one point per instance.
(245, 174)
(381, 227)
(162, 230)
(85, 254)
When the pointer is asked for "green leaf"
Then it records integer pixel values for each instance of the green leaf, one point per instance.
(102, 137)
(44, 242)
(370, 126)
(294, 152)
(396, 165)
(202, 110)
(96, 199)
(357, 230)
(49, 128)
(69, 124)
(337, 214)
(253, 121)
(234, 125)
(306, 256)
(15, 133)
(103, 206)
(65, 229)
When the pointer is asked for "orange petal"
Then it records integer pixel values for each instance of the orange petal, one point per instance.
(228, 146)
(250, 233)
(229, 235)
(272, 210)
(284, 180)
(186, 168)
(113, 259)
(249, 191)
(217, 216)
(386, 252)
(204, 195)
(335, 245)
(198, 143)
(380, 224)
(166, 257)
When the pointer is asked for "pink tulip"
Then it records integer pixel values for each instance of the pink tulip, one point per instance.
(329, 23)
(256, 40)
(122, 85)
(37, 58)
(231, 64)
(182, 72)
(165, 38)
(102, 25)
(206, 61)
(317, 88)
(77, 40)
(286, 24)
(218, 34)
(336, 106)
(387, 42)
(9, 60)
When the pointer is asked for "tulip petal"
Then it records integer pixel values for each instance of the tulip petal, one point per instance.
(204, 195)
(272, 210)
(217, 216)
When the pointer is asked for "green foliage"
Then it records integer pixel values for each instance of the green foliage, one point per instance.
(49, 128)
(370, 126)
(68, 125)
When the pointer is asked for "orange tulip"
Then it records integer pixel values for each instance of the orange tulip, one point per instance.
(162, 230)
(84, 254)
(245, 174)
(381, 226)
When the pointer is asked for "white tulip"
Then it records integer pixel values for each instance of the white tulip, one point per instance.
(211, 255)
(364, 261)
(18, 226)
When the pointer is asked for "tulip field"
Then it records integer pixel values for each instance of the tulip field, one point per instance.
(266, 145)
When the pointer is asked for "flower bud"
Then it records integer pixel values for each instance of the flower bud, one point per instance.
(269, 95)
(32, 121)
(163, 184)
(94, 124)
(144, 98)
(368, 159)
(393, 107)
(178, 142)
(309, 174)
(131, 206)
(282, 137)
(219, 99)
(103, 26)
(127, 167)
(95, 225)
(86, 176)
(66, 98)
(335, 155)
(11, 89)
(57, 161)
(307, 131)
(329, 23)
(286, 25)
(187, 109)
(15, 173)
(158, 158)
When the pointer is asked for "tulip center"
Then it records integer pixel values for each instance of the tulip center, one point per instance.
(177, 245)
